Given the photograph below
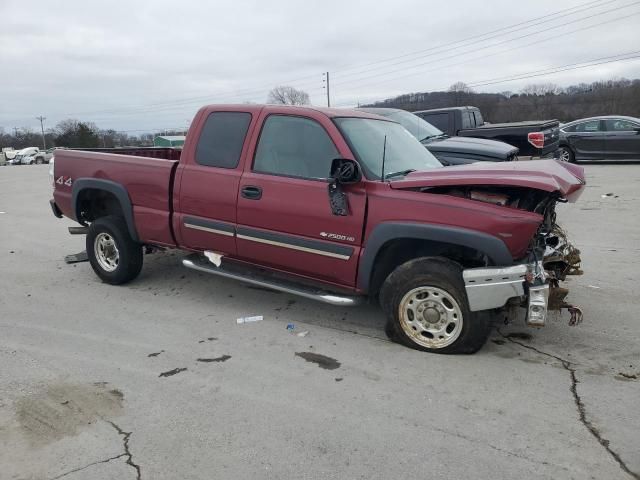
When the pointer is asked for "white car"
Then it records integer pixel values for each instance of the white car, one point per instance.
(24, 156)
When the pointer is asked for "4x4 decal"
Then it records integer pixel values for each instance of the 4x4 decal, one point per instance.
(61, 181)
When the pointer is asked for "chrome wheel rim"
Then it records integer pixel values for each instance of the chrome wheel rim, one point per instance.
(106, 252)
(431, 317)
(565, 156)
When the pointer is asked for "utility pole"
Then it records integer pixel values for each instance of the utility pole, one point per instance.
(326, 81)
(44, 141)
(15, 132)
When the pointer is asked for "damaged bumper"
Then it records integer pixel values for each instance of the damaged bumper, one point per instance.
(492, 288)
(534, 285)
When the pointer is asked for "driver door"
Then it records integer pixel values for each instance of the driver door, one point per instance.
(284, 218)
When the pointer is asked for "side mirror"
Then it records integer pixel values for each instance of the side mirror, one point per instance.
(345, 171)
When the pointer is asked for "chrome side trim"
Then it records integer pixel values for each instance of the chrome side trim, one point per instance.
(294, 247)
(489, 288)
(276, 284)
(207, 229)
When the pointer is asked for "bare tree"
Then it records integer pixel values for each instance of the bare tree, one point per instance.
(284, 95)
(541, 89)
(460, 87)
(460, 92)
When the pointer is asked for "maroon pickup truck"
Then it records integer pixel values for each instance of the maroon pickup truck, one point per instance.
(335, 205)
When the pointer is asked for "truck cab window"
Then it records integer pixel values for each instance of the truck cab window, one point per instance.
(221, 140)
(438, 120)
(466, 120)
(294, 146)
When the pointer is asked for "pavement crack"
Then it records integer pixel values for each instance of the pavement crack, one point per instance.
(582, 412)
(79, 469)
(127, 452)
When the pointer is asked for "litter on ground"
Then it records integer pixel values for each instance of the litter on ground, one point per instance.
(256, 318)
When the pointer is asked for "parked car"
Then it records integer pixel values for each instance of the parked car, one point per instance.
(334, 205)
(43, 156)
(449, 150)
(22, 155)
(8, 153)
(533, 138)
(610, 137)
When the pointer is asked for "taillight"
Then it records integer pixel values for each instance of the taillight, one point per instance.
(536, 139)
(51, 172)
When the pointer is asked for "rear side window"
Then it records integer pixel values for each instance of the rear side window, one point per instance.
(221, 139)
(620, 125)
(294, 146)
(466, 119)
(438, 120)
(478, 117)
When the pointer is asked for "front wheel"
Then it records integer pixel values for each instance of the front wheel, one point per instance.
(566, 155)
(427, 308)
(114, 256)
(39, 161)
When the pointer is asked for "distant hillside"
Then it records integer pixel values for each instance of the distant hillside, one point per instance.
(535, 102)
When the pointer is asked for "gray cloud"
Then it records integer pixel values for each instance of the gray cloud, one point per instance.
(151, 64)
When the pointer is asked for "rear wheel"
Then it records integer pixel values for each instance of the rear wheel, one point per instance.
(427, 308)
(566, 154)
(114, 256)
(39, 161)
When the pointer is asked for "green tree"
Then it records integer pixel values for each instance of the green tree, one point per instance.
(76, 134)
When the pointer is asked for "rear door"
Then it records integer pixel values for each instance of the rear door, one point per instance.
(621, 139)
(587, 140)
(207, 183)
(284, 216)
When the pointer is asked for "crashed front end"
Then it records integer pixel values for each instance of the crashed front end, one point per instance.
(541, 253)
(534, 283)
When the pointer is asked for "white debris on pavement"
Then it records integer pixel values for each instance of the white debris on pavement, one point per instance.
(213, 257)
(257, 318)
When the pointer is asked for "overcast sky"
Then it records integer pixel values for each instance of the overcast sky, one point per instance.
(139, 65)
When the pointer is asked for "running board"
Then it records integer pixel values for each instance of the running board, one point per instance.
(254, 277)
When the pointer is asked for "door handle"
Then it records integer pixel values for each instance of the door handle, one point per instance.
(251, 192)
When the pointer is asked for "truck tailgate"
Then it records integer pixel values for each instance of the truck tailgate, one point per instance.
(146, 181)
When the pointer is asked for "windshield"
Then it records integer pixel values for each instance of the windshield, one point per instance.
(419, 128)
(402, 153)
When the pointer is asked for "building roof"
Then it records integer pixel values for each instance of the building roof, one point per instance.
(172, 138)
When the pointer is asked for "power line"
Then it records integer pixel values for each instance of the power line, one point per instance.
(189, 100)
(549, 71)
(482, 57)
(504, 30)
(513, 39)
(171, 105)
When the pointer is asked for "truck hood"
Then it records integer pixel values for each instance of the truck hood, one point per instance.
(474, 146)
(546, 175)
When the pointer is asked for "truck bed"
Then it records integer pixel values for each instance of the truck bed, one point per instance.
(535, 125)
(166, 153)
(516, 133)
(147, 181)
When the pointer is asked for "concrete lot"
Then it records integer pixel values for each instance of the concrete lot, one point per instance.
(82, 395)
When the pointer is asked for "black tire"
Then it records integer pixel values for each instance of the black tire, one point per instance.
(440, 275)
(566, 154)
(129, 253)
(39, 161)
